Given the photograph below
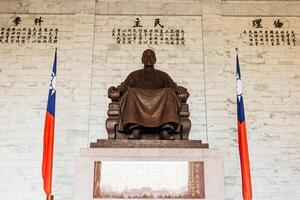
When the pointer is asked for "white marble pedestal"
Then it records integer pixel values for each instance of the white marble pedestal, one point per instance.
(84, 166)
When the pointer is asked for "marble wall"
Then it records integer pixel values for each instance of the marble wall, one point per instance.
(90, 60)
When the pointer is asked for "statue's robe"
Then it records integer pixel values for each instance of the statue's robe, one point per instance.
(148, 100)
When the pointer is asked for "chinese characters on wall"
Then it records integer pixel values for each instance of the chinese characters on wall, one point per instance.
(277, 36)
(36, 34)
(156, 35)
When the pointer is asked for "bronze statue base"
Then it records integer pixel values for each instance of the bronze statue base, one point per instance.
(148, 144)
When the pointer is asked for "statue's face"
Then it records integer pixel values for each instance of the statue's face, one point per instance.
(149, 58)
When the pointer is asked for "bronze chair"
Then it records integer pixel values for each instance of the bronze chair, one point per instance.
(113, 113)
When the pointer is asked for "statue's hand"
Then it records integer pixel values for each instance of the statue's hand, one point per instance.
(112, 90)
(181, 90)
(122, 89)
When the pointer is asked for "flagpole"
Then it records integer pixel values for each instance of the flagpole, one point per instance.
(51, 196)
(242, 136)
(48, 146)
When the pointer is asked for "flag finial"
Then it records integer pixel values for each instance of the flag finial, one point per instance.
(236, 49)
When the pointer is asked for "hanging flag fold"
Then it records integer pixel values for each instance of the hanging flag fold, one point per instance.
(242, 137)
(49, 133)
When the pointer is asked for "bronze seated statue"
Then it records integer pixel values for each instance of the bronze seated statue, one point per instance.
(148, 105)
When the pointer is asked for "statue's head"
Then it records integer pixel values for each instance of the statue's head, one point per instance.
(148, 58)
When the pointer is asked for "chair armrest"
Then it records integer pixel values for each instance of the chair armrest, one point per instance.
(114, 96)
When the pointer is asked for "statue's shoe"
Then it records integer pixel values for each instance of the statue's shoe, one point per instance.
(166, 136)
(135, 135)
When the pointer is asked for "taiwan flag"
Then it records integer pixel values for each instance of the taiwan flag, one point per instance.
(49, 134)
(242, 137)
